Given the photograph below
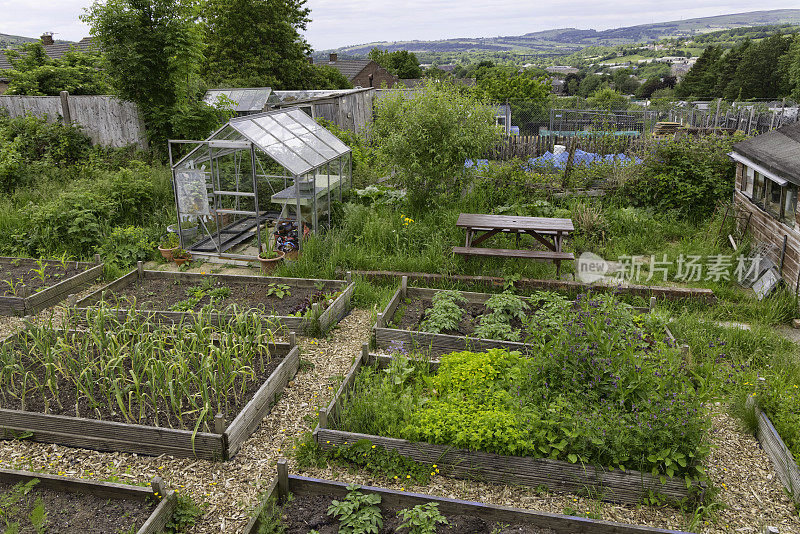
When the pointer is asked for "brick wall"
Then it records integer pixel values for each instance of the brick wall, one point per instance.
(764, 228)
(379, 75)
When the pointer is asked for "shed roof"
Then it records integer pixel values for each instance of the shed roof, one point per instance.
(350, 68)
(778, 151)
(252, 99)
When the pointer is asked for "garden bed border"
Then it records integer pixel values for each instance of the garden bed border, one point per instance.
(316, 323)
(418, 340)
(285, 483)
(153, 525)
(112, 436)
(31, 304)
(782, 458)
(628, 487)
(660, 292)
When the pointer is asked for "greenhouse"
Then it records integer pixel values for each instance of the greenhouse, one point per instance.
(270, 176)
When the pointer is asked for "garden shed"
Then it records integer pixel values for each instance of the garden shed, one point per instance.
(270, 176)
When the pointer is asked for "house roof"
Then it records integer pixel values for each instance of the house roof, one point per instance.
(778, 151)
(350, 68)
(54, 51)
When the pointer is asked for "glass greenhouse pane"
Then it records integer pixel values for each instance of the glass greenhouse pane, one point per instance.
(293, 163)
(315, 143)
(274, 128)
(313, 157)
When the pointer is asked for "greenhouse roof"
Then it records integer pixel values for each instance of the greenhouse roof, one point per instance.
(289, 136)
(244, 100)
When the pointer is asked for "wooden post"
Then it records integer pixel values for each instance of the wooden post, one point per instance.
(379, 324)
(96, 259)
(323, 418)
(404, 286)
(283, 478)
(65, 113)
(315, 309)
(652, 303)
(219, 424)
(364, 352)
(292, 339)
(140, 268)
(157, 485)
(348, 277)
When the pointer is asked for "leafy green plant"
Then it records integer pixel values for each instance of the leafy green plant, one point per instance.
(445, 312)
(184, 516)
(169, 240)
(126, 245)
(421, 519)
(14, 286)
(358, 513)
(278, 290)
(507, 306)
(493, 326)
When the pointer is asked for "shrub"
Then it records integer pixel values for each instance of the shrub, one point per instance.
(428, 136)
(126, 245)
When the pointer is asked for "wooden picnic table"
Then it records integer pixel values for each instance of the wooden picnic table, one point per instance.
(547, 230)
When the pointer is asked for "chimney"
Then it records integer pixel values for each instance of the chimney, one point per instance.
(334, 58)
(47, 38)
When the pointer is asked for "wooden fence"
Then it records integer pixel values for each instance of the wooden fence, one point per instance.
(107, 120)
(532, 146)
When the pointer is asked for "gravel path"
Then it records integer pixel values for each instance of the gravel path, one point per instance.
(750, 493)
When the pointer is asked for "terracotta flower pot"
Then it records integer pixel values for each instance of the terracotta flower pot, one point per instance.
(269, 265)
(181, 261)
(167, 252)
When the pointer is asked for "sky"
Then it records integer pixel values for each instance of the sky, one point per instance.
(338, 23)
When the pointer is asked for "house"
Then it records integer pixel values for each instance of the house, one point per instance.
(52, 49)
(361, 72)
(765, 196)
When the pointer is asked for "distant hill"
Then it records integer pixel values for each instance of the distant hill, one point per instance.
(8, 41)
(568, 40)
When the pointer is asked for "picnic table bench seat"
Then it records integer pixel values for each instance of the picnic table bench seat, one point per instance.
(514, 253)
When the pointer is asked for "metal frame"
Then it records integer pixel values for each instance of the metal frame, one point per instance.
(258, 139)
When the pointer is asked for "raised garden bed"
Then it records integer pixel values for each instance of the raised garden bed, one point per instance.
(399, 326)
(302, 305)
(782, 458)
(75, 505)
(135, 389)
(28, 286)
(311, 497)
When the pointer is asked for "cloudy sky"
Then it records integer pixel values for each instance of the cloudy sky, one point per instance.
(344, 22)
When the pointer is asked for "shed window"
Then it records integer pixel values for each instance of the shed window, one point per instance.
(773, 200)
(789, 204)
(759, 188)
(747, 181)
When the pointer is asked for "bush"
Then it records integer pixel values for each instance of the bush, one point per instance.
(428, 137)
(126, 245)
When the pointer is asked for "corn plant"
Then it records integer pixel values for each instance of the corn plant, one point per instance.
(127, 369)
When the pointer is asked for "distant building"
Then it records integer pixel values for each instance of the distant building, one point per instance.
(562, 69)
(361, 72)
(52, 49)
(415, 83)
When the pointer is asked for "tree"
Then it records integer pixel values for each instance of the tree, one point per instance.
(791, 64)
(701, 80)
(759, 74)
(625, 82)
(592, 83)
(401, 63)
(34, 73)
(152, 56)
(607, 98)
(257, 39)
(728, 86)
(428, 136)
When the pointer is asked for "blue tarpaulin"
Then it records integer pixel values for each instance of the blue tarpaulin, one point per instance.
(559, 161)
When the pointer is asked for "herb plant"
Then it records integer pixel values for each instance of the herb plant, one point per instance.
(278, 290)
(421, 519)
(445, 312)
(357, 513)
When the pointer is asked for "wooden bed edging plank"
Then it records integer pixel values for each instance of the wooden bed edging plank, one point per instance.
(614, 486)
(662, 293)
(249, 418)
(33, 304)
(298, 325)
(562, 524)
(150, 440)
(109, 490)
(782, 458)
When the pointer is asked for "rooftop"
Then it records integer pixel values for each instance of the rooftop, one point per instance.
(778, 151)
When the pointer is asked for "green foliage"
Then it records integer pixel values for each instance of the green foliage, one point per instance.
(270, 520)
(607, 98)
(34, 73)
(9, 508)
(169, 240)
(278, 290)
(184, 516)
(357, 513)
(421, 519)
(687, 175)
(445, 313)
(126, 245)
(258, 42)
(428, 136)
(502, 309)
(401, 63)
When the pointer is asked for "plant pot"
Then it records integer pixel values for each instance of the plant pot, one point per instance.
(269, 265)
(181, 261)
(167, 252)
